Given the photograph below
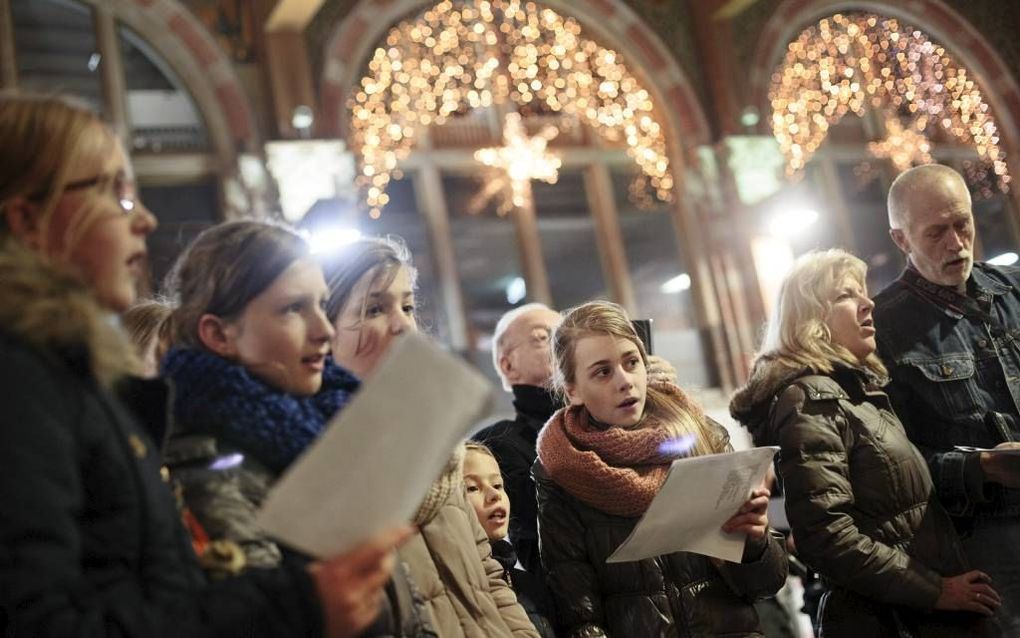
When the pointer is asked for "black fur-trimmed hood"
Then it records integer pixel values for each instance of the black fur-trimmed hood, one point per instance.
(49, 309)
(751, 404)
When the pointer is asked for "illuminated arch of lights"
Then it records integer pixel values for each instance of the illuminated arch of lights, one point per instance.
(852, 62)
(464, 54)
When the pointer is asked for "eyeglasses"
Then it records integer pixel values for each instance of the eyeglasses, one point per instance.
(123, 189)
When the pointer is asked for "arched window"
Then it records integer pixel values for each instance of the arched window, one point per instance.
(450, 80)
(860, 97)
(95, 50)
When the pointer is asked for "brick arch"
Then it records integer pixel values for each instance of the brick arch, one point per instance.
(610, 22)
(960, 38)
(205, 70)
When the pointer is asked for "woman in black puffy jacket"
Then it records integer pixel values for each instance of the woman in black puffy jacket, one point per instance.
(91, 543)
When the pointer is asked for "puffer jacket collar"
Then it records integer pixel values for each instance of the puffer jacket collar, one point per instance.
(51, 310)
(752, 404)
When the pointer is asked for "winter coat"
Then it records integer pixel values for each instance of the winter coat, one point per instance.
(91, 542)
(679, 594)
(451, 563)
(532, 592)
(859, 498)
(224, 422)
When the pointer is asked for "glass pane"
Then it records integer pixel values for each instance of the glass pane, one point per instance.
(863, 186)
(55, 48)
(488, 263)
(183, 211)
(569, 247)
(811, 194)
(161, 113)
(993, 211)
(661, 282)
(402, 218)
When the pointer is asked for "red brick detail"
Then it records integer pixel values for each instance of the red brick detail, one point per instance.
(945, 20)
(343, 47)
(791, 9)
(678, 100)
(642, 40)
(203, 50)
(235, 110)
(604, 7)
(987, 61)
(332, 108)
(1012, 100)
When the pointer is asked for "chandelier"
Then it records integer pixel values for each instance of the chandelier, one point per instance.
(849, 63)
(466, 54)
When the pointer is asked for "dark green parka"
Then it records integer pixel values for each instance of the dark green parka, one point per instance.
(859, 498)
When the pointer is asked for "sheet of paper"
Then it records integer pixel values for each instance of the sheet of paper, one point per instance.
(699, 495)
(1006, 451)
(377, 458)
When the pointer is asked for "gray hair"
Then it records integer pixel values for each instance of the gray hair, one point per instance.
(502, 326)
(909, 182)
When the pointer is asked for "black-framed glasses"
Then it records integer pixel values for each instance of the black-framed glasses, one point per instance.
(122, 189)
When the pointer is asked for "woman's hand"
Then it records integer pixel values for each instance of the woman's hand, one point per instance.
(350, 586)
(969, 592)
(752, 518)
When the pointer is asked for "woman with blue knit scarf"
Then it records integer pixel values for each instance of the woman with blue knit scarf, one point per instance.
(254, 385)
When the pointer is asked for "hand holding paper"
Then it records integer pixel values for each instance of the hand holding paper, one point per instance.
(374, 463)
(1000, 464)
(699, 496)
(752, 518)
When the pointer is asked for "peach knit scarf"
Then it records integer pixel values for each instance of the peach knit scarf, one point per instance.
(615, 470)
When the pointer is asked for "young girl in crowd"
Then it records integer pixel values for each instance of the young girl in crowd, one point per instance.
(859, 496)
(92, 543)
(147, 324)
(601, 460)
(254, 385)
(484, 482)
(371, 302)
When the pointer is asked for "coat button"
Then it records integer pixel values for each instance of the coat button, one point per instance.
(137, 446)
(982, 343)
(947, 370)
(164, 473)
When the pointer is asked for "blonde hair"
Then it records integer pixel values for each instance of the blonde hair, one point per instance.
(147, 320)
(481, 448)
(606, 318)
(797, 335)
(45, 137)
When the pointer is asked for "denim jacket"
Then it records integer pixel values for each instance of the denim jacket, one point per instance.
(949, 371)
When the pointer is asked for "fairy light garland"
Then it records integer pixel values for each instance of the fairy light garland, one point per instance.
(853, 62)
(466, 54)
(903, 146)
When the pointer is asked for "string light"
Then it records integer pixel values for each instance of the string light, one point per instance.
(904, 147)
(849, 63)
(520, 160)
(466, 54)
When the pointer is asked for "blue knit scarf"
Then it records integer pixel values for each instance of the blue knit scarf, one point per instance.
(220, 398)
